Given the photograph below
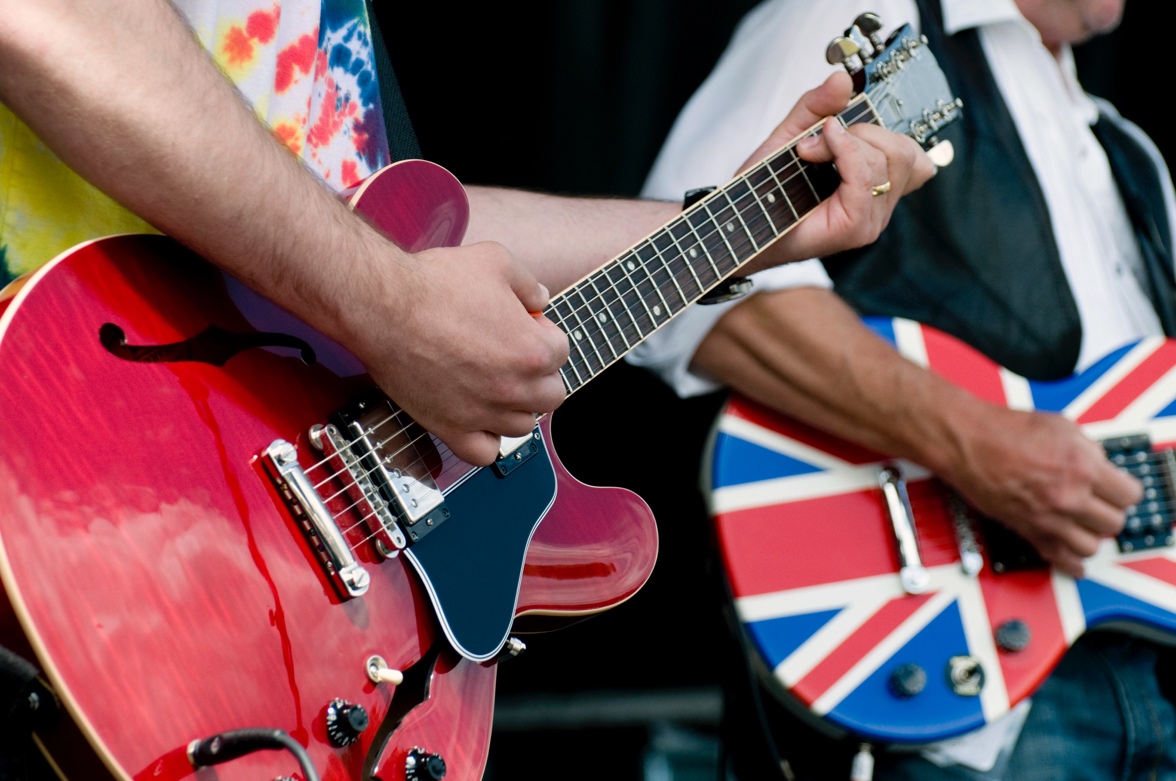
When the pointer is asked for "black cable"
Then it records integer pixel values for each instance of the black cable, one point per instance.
(236, 743)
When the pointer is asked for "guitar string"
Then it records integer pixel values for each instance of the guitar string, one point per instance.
(865, 110)
(588, 301)
(853, 114)
(444, 451)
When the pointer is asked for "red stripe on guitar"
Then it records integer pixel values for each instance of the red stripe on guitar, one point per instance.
(1160, 568)
(1028, 596)
(828, 540)
(963, 366)
(1129, 388)
(764, 417)
(776, 548)
(834, 666)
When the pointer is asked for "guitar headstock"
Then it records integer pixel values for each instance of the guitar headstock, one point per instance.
(901, 79)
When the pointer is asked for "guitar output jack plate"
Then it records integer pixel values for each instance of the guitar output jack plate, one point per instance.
(966, 675)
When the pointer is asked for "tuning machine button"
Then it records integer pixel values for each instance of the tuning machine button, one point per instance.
(845, 51)
(420, 765)
(346, 721)
(941, 152)
(870, 25)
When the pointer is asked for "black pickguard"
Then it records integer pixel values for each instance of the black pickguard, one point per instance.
(473, 563)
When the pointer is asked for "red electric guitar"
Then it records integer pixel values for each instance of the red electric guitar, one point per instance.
(217, 537)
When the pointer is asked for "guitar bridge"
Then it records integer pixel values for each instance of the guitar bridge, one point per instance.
(390, 460)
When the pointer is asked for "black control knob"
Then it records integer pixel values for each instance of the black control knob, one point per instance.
(907, 680)
(420, 765)
(1013, 635)
(345, 722)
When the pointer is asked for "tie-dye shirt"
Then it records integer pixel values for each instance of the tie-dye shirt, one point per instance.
(307, 66)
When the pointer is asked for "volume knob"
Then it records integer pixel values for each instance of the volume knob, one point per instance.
(420, 765)
(345, 722)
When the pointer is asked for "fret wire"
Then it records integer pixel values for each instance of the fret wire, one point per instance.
(670, 273)
(624, 304)
(783, 193)
(562, 322)
(584, 328)
(724, 238)
(783, 206)
(569, 386)
(763, 210)
(771, 180)
(804, 174)
(679, 265)
(584, 360)
(803, 194)
(653, 285)
(606, 313)
(640, 297)
(738, 214)
(693, 253)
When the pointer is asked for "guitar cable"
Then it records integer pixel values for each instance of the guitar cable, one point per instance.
(236, 743)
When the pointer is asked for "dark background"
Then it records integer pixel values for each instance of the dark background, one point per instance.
(576, 96)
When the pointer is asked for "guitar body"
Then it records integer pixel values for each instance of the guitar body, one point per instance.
(812, 558)
(161, 580)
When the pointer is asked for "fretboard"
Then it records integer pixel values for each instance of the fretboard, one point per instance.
(614, 309)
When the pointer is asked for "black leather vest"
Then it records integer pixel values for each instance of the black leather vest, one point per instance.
(973, 253)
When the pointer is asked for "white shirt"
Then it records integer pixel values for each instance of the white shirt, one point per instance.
(778, 52)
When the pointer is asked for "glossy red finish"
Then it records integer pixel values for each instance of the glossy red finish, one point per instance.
(593, 550)
(454, 722)
(157, 576)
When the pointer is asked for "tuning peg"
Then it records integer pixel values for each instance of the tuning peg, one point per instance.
(941, 153)
(870, 25)
(844, 51)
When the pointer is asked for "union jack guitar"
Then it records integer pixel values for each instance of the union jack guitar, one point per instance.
(872, 595)
(216, 537)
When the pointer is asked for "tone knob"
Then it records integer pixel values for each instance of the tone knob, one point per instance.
(907, 680)
(345, 722)
(420, 765)
(1013, 635)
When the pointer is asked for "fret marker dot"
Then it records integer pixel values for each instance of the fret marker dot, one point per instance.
(771, 198)
(656, 309)
(693, 252)
(730, 227)
(631, 265)
(602, 317)
(577, 335)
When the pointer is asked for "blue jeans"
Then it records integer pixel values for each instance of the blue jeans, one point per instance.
(1099, 716)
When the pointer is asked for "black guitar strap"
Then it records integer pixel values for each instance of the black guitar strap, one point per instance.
(402, 140)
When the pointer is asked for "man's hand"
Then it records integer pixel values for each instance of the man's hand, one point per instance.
(866, 156)
(1040, 476)
(804, 352)
(451, 340)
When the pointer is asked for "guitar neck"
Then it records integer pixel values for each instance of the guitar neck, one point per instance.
(614, 309)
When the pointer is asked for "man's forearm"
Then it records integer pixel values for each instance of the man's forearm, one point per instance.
(562, 239)
(805, 352)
